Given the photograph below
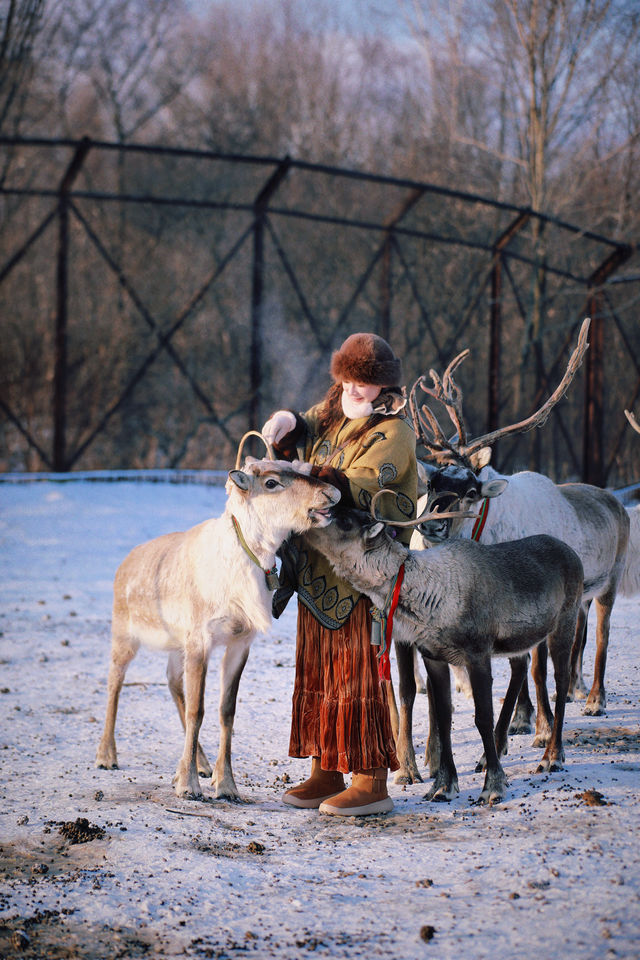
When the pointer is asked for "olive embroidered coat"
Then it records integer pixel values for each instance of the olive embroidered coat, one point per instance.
(384, 456)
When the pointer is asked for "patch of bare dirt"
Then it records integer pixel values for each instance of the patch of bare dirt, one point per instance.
(45, 855)
(54, 935)
(604, 739)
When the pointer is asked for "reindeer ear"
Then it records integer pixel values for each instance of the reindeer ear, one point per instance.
(493, 488)
(480, 459)
(241, 479)
(373, 531)
(423, 477)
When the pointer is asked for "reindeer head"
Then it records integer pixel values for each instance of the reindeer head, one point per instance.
(282, 495)
(350, 536)
(453, 478)
(457, 489)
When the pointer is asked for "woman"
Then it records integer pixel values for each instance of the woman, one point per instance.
(358, 439)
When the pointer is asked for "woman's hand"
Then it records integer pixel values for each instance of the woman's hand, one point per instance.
(278, 426)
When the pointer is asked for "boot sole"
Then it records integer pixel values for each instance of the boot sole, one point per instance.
(380, 806)
(307, 803)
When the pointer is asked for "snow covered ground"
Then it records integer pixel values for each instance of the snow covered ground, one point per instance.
(554, 871)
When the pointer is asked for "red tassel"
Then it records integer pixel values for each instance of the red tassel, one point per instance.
(384, 664)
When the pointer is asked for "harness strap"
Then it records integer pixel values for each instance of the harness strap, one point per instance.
(382, 626)
(271, 576)
(478, 526)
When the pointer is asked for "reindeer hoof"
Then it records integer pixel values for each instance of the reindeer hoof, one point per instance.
(407, 776)
(541, 740)
(231, 795)
(443, 790)
(106, 766)
(187, 794)
(593, 709)
(490, 798)
(188, 789)
(106, 757)
(226, 790)
(549, 766)
(520, 726)
(495, 787)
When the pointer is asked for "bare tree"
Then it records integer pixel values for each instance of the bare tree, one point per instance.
(19, 24)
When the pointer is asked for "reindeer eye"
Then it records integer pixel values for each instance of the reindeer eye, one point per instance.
(271, 484)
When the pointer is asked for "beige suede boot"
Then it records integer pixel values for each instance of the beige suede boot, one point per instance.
(366, 795)
(321, 785)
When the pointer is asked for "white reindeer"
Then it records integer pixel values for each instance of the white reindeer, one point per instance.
(591, 520)
(630, 581)
(185, 593)
(463, 603)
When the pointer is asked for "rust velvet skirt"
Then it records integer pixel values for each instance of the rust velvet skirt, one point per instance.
(340, 709)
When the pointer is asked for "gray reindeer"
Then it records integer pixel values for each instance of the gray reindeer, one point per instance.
(463, 603)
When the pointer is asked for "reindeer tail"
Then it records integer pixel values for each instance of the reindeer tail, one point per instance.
(630, 582)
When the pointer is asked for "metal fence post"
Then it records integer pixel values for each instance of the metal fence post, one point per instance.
(495, 323)
(260, 206)
(593, 470)
(62, 286)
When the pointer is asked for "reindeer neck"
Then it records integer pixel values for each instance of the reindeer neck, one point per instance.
(256, 541)
(376, 570)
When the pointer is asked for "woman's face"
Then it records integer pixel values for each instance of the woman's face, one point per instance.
(361, 392)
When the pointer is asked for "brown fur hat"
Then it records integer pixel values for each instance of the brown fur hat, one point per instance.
(366, 358)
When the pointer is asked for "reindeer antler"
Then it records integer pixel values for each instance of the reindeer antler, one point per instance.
(449, 394)
(429, 514)
(632, 420)
(254, 433)
(459, 450)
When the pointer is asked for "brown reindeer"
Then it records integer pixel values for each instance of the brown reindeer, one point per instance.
(592, 521)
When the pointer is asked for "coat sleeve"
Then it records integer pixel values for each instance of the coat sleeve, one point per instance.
(386, 460)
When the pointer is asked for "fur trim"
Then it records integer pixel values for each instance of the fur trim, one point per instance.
(366, 358)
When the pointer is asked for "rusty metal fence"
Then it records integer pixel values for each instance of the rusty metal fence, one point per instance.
(156, 303)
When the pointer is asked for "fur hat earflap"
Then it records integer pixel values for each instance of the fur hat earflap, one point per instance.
(366, 358)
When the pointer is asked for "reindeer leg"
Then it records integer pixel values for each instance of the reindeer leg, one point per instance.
(233, 663)
(408, 771)
(577, 688)
(523, 717)
(495, 782)
(176, 688)
(421, 685)
(518, 675)
(123, 650)
(544, 716)
(393, 711)
(186, 781)
(433, 749)
(445, 785)
(559, 646)
(461, 681)
(597, 699)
